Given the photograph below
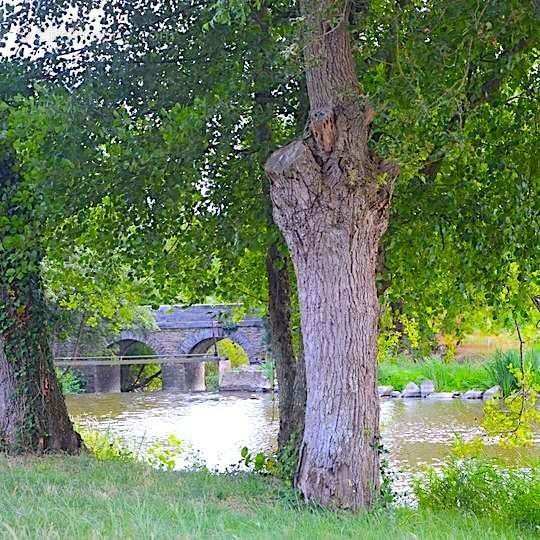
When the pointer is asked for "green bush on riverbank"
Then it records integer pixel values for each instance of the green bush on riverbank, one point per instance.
(79, 497)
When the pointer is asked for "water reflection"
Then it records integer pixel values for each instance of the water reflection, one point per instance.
(214, 427)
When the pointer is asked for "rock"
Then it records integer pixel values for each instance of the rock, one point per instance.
(441, 395)
(472, 394)
(411, 390)
(427, 388)
(385, 391)
(248, 379)
(492, 393)
(395, 394)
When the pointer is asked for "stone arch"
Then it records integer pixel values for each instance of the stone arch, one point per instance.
(252, 344)
(150, 339)
(117, 378)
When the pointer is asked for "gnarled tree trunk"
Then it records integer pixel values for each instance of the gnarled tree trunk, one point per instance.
(330, 199)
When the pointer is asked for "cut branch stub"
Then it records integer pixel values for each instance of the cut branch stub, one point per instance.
(323, 128)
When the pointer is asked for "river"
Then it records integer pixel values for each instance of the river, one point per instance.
(214, 427)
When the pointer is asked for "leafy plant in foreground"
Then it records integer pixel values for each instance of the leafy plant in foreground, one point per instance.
(484, 489)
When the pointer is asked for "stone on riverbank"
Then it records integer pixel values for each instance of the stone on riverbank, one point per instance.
(411, 390)
(246, 379)
(492, 393)
(385, 391)
(395, 394)
(427, 387)
(441, 395)
(472, 394)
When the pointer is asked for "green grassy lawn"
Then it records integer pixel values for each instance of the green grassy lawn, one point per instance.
(79, 498)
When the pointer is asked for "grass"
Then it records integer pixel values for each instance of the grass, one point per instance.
(79, 497)
(446, 376)
(466, 375)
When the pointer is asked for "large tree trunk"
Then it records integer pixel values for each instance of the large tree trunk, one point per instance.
(331, 197)
(33, 415)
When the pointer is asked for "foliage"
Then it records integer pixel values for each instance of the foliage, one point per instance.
(515, 420)
(163, 456)
(454, 90)
(259, 462)
(69, 381)
(105, 446)
(484, 489)
(269, 369)
(108, 447)
(235, 354)
(451, 376)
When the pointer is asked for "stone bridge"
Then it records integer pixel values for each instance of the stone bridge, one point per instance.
(180, 330)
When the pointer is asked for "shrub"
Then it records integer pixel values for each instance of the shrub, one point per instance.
(484, 489)
(105, 446)
(70, 383)
(108, 447)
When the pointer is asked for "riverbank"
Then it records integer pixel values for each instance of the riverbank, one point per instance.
(79, 497)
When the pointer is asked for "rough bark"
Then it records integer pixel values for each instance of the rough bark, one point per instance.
(330, 199)
(33, 414)
(281, 342)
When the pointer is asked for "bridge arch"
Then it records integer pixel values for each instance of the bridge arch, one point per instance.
(126, 378)
(203, 339)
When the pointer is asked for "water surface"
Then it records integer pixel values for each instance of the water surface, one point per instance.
(214, 427)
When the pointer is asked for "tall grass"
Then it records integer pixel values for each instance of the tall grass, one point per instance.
(501, 365)
(446, 376)
(483, 488)
(78, 497)
(466, 375)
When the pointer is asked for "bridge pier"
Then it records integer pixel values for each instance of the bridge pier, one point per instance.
(107, 379)
(195, 377)
(173, 377)
(223, 366)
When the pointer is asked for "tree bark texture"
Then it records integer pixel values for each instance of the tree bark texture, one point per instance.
(33, 414)
(291, 401)
(330, 197)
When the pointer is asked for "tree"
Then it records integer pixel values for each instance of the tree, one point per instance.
(331, 196)
(175, 84)
(331, 193)
(33, 415)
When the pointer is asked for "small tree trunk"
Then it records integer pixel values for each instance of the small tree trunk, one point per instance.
(330, 197)
(281, 342)
(33, 415)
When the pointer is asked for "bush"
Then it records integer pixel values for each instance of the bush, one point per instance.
(70, 383)
(484, 489)
(108, 447)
